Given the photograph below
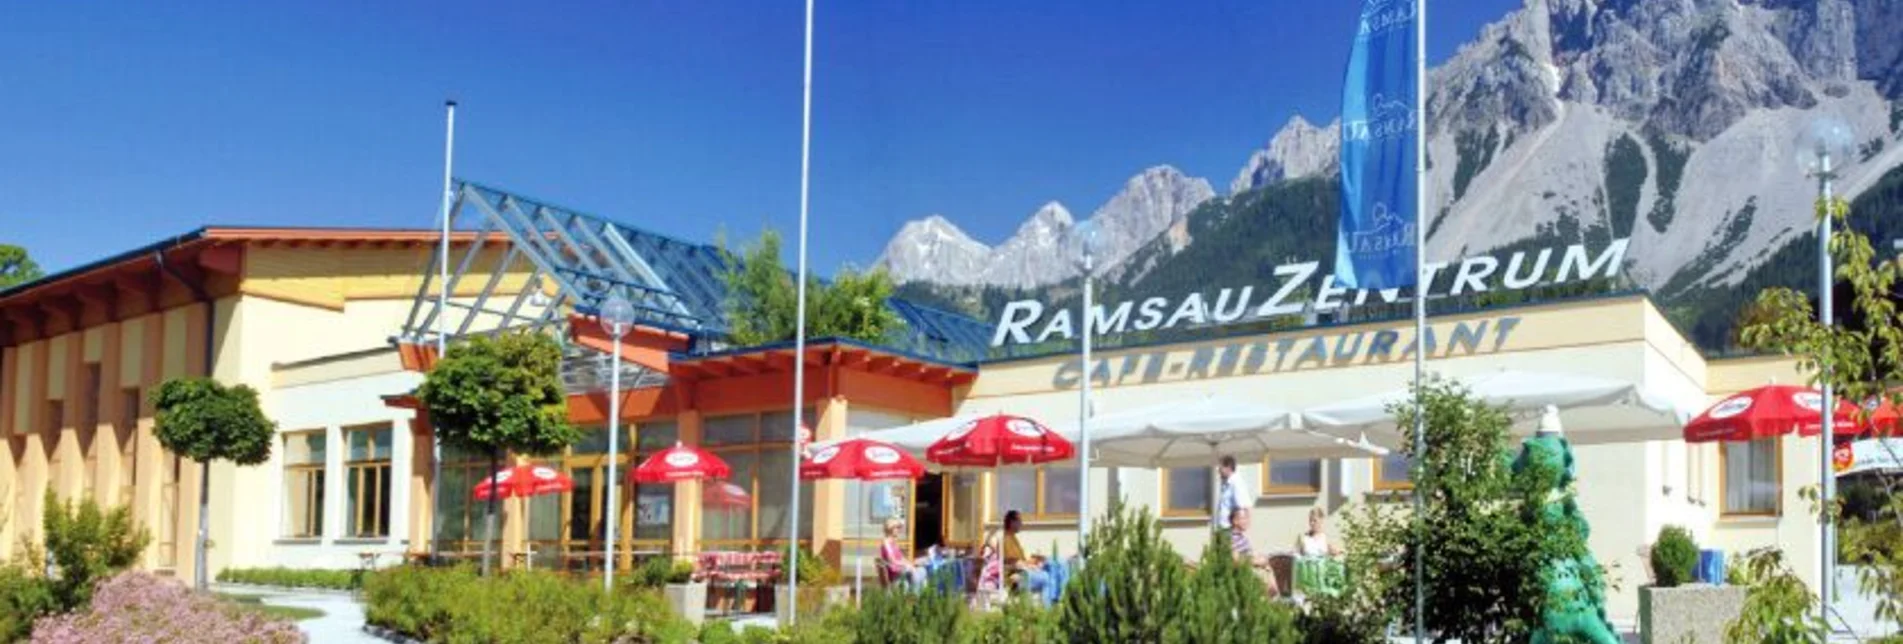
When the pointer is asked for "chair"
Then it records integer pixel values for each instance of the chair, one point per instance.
(1282, 567)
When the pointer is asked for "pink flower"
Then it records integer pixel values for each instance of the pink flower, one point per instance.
(135, 607)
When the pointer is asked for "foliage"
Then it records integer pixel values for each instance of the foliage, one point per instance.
(812, 571)
(256, 604)
(1485, 543)
(1864, 355)
(762, 301)
(204, 420)
(902, 617)
(16, 267)
(718, 631)
(661, 571)
(454, 605)
(1475, 152)
(1133, 589)
(1674, 557)
(500, 394)
(24, 596)
(1778, 609)
(138, 607)
(338, 579)
(1229, 603)
(87, 545)
(1021, 621)
(1361, 613)
(1671, 162)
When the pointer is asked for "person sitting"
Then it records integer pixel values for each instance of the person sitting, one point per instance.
(1027, 573)
(1314, 543)
(1245, 551)
(897, 568)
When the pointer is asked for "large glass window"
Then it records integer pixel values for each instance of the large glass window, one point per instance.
(1291, 476)
(304, 484)
(367, 477)
(1751, 476)
(653, 503)
(759, 449)
(1046, 493)
(961, 508)
(1394, 472)
(1187, 491)
(459, 520)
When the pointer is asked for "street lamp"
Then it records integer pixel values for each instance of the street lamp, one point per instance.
(1822, 147)
(616, 316)
(1086, 238)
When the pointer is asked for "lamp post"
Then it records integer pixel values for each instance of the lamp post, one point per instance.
(1823, 144)
(616, 315)
(1086, 236)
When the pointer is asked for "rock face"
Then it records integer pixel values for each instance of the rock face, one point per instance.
(1045, 249)
(1297, 150)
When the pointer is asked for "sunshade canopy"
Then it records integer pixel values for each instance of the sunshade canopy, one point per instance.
(1197, 432)
(1594, 409)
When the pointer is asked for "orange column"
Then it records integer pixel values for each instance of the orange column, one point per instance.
(422, 506)
(687, 510)
(829, 495)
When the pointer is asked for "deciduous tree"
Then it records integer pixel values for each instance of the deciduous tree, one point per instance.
(203, 420)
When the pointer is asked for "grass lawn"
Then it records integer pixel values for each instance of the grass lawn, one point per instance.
(256, 604)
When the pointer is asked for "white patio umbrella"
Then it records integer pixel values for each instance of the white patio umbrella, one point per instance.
(1197, 432)
(1594, 409)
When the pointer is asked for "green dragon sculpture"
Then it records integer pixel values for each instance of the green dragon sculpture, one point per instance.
(1575, 587)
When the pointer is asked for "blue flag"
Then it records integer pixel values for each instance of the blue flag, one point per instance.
(1375, 247)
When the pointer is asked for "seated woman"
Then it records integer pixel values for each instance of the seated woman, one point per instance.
(1314, 542)
(898, 569)
(1245, 552)
(1027, 573)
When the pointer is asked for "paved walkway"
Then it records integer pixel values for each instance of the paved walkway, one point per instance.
(342, 622)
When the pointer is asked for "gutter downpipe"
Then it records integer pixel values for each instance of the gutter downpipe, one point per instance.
(204, 479)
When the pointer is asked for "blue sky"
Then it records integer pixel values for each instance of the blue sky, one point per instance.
(121, 124)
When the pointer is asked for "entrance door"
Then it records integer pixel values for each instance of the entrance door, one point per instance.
(928, 513)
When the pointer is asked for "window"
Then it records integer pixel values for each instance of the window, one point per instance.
(869, 504)
(304, 484)
(961, 508)
(1751, 474)
(1291, 476)
(1187, 491)
(1043, 494)
(458, 521)
(654, 503)
(1393, 472)
(367, 477)
(759, 449)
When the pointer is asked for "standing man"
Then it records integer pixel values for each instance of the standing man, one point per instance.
(1234, 493)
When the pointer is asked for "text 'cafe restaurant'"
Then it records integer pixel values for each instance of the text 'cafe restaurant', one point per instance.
(307, 317)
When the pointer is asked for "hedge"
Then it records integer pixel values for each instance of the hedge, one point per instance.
(294, 577)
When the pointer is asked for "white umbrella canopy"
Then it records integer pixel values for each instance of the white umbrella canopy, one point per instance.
(1198, 432)
(1594, 409)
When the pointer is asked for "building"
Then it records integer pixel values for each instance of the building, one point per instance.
(336, 327)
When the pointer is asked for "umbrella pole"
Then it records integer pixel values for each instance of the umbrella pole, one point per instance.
(859, 563)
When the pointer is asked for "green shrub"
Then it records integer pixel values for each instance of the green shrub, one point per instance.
(1228, 603)
(718, 631)
(837, 626)
(455, 605)
(655, 572)
(1362, 611)
(813, 570)
(759, 635)
(24, 596)
(1022, 621)
(1132, 589)
(88, 545)
(332, 579)
(903, 617)
(1778, 607)
(1674, 557)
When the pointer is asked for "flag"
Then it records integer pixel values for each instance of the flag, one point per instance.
(1375, 245)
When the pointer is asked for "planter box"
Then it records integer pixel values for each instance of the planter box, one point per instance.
(1694, 613)
(687, 600)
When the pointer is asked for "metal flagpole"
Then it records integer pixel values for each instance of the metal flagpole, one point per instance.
(799, 324)
(1083, 411)
(1827, 558)
(1420, 301)
(614, 456)
(442, 315)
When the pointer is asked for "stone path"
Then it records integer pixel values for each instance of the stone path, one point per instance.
(342, 622)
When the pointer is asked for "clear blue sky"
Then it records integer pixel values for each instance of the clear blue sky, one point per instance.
(121, 124)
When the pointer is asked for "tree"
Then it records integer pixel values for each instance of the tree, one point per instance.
(88, 545)
(1229, 603)
(497, 395)
(762, 301)
(1487, 549)
(203, 420)
(1133, 588)
(1862, 361)
(16, 267)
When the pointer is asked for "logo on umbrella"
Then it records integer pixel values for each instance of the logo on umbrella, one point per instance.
(1024, 428)
(1842, 457)
(826, 455)
(1809, 400)
(683, 459)
(544, 473)
(1736, 406)
(882, 455)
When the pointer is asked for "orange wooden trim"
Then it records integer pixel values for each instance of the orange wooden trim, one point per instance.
(645, 346)
(592, 408)
(416, 357)
(222, 259)
(897, 394)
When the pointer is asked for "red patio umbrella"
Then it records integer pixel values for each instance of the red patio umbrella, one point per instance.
(524, 480)
(726, 495)
(1001, 439)
(680, 463)
(861, 459)
(1771, 410)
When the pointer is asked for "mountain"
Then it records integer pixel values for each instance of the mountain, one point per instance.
(1044, 249)
(1676, 124)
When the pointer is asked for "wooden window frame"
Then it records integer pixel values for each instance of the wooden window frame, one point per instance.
(355, 472)
(1038, 513)
(474, 467)
(1724, 474)
(753, 446)
(314, 503)
(1270, 489)
(1163, 495)
(631, 494)
(952, 516)
(1383, 485)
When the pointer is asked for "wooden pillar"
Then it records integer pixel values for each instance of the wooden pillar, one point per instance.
(150, 464)
(829, 495)
(67, 371)
(109, 407)
(11, 383)
(422, 506)
(687, 496)
(33, 474)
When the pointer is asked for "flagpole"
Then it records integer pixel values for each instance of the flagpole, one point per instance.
(799, 324)
(442, 312)
(1420, 303)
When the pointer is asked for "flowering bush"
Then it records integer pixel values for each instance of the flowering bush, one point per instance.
(137, 607)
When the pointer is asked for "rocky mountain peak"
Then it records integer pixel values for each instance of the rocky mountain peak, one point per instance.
(935, 249)
(1297, 150)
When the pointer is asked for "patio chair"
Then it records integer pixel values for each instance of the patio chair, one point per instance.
(1282, 566)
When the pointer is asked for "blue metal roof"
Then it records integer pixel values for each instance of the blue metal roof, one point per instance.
(939, 334)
